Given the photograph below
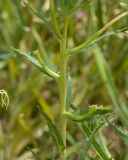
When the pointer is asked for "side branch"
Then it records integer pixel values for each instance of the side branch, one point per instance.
(54, 20)
(96, 35)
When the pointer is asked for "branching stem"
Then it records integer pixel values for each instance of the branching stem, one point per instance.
(97, 34)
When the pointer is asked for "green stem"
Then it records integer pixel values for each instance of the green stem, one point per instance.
(63, 80)
(80, 118)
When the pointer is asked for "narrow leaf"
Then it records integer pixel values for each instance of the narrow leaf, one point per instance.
(29, 55)
(109, 83)
(94, 144)
(54, 131)
(32, 57)
(88, 142)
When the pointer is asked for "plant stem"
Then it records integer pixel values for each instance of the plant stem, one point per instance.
(97, 34)
(63, 80)
(63, 75)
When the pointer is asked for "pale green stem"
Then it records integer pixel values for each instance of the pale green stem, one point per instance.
(97, 34)
(63, 81)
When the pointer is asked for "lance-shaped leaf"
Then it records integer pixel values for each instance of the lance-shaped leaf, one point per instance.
(34, 57)
(55, 133)
(110, 85)
(88, 142)
(99, 150)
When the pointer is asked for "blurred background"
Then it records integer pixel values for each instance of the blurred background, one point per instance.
(21, 125)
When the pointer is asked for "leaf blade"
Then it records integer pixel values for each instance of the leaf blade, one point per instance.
(54, 131)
